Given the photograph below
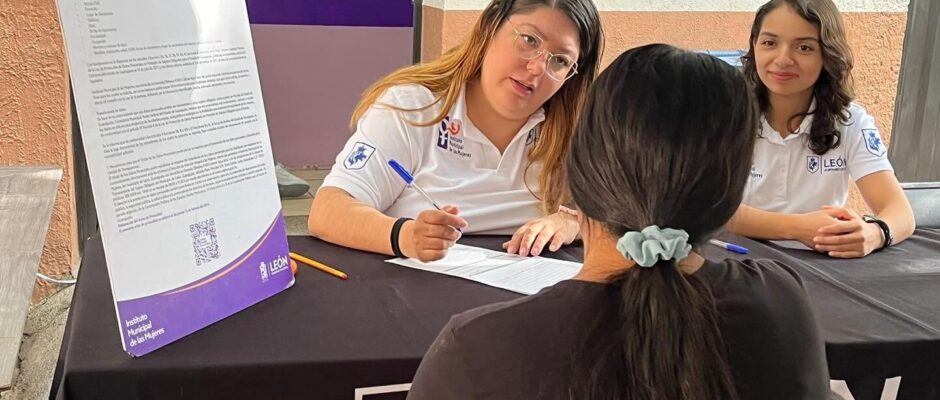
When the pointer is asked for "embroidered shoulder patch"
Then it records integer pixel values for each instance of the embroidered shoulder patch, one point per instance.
(873, 142)
(359, 156)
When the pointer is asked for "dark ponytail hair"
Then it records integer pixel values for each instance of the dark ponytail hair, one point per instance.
(666, 138)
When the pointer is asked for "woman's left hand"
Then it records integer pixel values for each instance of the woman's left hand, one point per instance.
(851, 237)
(555, 230)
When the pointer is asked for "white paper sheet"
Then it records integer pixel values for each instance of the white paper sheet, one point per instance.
(526, 275)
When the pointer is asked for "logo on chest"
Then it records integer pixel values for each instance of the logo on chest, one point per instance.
(755, 173)
(449, 138)
(812, 164)
(820, 164)
(532, 137)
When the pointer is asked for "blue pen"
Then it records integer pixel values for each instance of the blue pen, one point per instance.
(729, 246)
(410, 181)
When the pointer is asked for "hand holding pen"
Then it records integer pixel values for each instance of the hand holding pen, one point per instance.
(433, 232)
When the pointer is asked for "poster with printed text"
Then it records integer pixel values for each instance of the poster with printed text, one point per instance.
(176, 139)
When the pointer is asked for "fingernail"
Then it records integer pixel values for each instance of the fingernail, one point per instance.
(554, 248)
(536, 252)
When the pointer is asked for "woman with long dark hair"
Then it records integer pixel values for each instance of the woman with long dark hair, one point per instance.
(657, 165)
(814, 141)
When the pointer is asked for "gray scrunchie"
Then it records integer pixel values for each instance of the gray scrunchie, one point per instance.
(652, 244)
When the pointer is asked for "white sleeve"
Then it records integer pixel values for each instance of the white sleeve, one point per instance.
(361, 168)
(867, 152)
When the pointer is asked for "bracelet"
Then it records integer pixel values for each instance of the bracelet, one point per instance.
(396, 230)
(885, 230)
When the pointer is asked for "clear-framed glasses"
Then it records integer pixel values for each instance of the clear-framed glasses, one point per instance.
(529, 46)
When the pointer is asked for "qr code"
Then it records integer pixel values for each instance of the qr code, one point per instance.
(205, 241)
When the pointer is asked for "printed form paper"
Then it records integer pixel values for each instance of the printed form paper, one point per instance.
(526, 275)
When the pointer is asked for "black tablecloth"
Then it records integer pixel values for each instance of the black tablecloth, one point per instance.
(325, 337)
(320, 339)
(879, 315)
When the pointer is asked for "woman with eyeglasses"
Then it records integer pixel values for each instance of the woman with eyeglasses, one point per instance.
(657, 165)
(484, 127)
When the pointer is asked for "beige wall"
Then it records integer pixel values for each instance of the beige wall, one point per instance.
(35, 121)
(432, 35)
(876, 38)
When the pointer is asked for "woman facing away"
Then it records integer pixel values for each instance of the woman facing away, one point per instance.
(814, 141)
(658, 164)
(484, 127)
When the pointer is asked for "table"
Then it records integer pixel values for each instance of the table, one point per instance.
(879, 315)
(324, 337)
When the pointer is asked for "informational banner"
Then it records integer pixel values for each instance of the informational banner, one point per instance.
(176, 139)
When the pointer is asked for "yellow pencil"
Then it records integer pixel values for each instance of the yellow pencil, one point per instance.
(320, 266)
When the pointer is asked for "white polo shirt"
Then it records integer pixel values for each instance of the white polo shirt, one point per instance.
(787, 177)
(452, 161)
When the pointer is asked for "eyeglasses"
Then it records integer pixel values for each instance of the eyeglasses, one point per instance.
(529, 46)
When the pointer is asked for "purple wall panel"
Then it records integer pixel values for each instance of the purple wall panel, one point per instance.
(389, 13)
(312, 77)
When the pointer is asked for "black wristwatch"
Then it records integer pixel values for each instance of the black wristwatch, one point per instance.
(885, 229)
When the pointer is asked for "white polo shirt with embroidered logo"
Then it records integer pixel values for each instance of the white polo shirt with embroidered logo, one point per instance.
(452, 161)
(787, 177)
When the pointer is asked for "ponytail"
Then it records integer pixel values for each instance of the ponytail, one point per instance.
(667, 344)
(647, 151)
(669, 335)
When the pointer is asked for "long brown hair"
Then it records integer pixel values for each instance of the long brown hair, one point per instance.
(833, 90)
(447, 75)
(666, 138)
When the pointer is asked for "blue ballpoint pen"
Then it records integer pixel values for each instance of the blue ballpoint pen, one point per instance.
(410, 181)
(729, 246)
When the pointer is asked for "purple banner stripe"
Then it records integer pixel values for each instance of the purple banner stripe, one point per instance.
(152, 322)
(389, 13)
